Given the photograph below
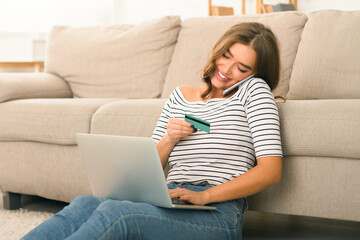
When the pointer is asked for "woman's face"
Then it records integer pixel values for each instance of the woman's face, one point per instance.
(233, 66)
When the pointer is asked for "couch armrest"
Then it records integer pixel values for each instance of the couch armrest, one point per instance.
(32, 85)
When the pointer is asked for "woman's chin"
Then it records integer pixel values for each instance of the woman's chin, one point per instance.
(219, 84)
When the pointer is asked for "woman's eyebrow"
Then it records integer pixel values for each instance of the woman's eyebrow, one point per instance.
(246, 66)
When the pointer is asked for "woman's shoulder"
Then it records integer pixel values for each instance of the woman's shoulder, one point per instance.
(191, 93)
(255, 83)
(189, 88)
(253, 87)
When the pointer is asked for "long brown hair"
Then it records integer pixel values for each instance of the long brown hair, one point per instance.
(261, 39)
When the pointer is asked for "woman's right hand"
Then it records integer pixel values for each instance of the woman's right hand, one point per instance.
(178, 128)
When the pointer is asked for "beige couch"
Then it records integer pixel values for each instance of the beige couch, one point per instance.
(115, 79)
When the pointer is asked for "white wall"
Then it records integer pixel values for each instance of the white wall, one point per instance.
(41, 15)
(314, 5)
(28, 19)
(137, 11)
(24, 24)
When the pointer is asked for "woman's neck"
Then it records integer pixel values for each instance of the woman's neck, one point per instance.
(216, 93)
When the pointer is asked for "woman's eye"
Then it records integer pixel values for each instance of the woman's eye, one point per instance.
(243, 71)
(224, 55)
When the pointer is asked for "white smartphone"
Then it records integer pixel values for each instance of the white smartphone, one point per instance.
(230, 89)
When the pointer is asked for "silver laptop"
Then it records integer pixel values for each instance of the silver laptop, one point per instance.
(127, 168)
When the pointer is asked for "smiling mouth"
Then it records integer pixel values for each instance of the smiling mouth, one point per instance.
(221, 77)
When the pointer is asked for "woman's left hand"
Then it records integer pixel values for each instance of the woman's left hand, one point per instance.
(188, 196)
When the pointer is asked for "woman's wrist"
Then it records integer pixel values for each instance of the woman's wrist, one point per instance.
(206, 197)
(170, 140)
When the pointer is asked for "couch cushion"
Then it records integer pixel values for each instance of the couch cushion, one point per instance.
(136, 117)
(47, 120)
(327, 64)
(321, 128)
(198, 35)
(47, 170)
(305, 187)
(113, 61)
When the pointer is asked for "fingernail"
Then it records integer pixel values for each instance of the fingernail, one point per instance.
(192, 126)
(195, 130)
(178, 198)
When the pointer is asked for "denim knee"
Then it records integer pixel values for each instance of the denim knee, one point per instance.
(123, 207)
(86, 201)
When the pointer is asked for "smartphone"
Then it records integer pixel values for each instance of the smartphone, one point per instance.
(230, 89)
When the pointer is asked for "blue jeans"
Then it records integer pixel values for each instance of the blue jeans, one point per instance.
(90, 217)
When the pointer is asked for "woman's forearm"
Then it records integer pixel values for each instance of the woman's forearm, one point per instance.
(175, 130)
(164, 147)
(266, 173)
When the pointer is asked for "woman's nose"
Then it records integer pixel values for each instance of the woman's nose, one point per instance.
(228, 67)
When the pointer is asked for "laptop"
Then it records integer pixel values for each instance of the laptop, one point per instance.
(127, 168)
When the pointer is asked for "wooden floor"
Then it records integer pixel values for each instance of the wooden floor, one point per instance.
(258, 226)
(277, 226)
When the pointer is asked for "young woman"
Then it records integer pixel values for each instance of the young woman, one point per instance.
(239, 157)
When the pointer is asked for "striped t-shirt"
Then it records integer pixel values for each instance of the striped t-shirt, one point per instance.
(243, 128)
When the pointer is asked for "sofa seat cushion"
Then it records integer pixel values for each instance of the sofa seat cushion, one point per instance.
(118, 61)
(198, 35)
(47, 120)
(327, 63)
(136, 117)
(321, 128)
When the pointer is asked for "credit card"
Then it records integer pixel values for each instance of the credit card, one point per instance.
(198, 123)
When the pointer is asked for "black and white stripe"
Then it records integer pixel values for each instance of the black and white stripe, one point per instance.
(243, 128)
